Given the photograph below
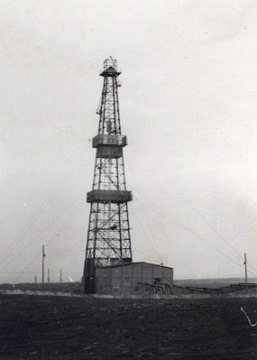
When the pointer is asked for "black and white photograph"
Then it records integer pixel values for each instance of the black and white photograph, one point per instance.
(128, 182)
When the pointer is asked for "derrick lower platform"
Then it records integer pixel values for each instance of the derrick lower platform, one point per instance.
(109, 196)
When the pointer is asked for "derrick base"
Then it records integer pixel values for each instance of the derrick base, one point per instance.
(89, 276)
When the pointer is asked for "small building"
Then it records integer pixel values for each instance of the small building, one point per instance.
(138, 278)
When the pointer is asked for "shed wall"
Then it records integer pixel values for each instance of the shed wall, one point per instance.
(134, 279)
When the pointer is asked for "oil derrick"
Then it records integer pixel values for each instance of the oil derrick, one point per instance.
(108, 239)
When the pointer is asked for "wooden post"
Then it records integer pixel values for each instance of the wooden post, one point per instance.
(246, 280)
(43, 266)
(48, 279)
(61, 279)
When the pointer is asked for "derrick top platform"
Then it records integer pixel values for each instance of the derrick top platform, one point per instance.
(110, 68)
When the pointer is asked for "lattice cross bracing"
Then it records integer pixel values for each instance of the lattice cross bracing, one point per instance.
(108, 240)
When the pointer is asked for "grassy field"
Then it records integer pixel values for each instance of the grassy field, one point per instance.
(41, 327)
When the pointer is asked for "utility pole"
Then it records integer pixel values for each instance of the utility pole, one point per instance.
(43, 266)
(246, 283)
(61, 279)
(48, 279)
(35, 282)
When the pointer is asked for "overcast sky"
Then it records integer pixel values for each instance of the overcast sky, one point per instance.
(188, 107)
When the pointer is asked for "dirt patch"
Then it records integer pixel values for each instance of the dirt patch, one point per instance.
(39, 327)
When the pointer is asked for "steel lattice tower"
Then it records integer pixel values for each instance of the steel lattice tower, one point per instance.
(108, 240)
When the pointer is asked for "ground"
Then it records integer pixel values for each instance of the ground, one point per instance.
(47, 327)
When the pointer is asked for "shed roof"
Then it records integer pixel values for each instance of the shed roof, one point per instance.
(133, 263)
